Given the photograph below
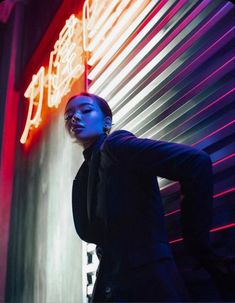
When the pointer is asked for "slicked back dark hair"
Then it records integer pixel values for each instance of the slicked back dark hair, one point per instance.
(103, 104)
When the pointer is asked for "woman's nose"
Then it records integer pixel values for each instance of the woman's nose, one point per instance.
(76, 118)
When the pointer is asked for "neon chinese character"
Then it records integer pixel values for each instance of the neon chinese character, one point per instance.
(34, 93)
(91, 12)
(66, 61)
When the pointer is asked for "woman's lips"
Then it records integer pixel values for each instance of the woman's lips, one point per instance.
(77, 128)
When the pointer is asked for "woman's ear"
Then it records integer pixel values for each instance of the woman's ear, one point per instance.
(107, 123)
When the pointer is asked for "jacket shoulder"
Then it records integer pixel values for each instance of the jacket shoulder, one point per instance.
(119, 133)
(117, 136)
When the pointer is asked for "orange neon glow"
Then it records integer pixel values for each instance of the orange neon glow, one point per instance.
(91, 12)
(113, 29)
(66, 61)
(94, 19)
(65, 65)
(110, 16)
(34, 93)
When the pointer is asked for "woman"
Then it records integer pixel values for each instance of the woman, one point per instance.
(117, 205)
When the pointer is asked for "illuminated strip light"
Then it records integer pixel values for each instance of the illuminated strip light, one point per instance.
(95, 15)
(116, 46)
(98, 17)
(228, 191)
(134, 42)
(212, 230)
(34, 89)
(169, 43)
(124, 22)
(121, 25)
(172, 212)
(203, 110)
(214, 132)
(65, 65)
(154, 106)
(134, 102)
(141, 96)
(223, 159)
(106, 21)
(95, 85)
(176, 240)
(139, 57)
(152, 131)
(89, 21)
(222, 227)
(168, 185)
(132, 124)
(172, 117)
(66, 61)
(213, 164)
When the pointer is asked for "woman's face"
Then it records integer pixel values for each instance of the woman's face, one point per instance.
(84, 120)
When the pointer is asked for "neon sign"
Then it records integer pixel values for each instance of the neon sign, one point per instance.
(66, 61)
(65, 65)
(34, 93)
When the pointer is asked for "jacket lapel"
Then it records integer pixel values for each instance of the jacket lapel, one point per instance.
(92, 185)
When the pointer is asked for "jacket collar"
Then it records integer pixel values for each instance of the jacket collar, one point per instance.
(92, 156)
(87, 153)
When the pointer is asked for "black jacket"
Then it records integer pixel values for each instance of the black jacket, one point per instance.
(117, 203)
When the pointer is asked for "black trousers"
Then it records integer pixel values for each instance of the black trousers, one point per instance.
(158, 281)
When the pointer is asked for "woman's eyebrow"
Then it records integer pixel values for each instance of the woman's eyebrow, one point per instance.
(85, 103)
(80, 105)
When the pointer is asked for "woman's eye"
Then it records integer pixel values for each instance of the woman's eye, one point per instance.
(67, 118)
(87, 111)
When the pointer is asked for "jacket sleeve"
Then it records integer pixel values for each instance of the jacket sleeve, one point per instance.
(191, 167)
(164, 159)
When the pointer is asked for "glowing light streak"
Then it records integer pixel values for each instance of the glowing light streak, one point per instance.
(66, 61)
(108, 71)
(34, 93)
(92, 19)
(97, 16)
(167, 71)
(227, 226)
(154, 130)
(172, 183)
(90, 14)
(223, 193)
(167, 45)
(114, 34)
(176, 240)
(65, 65)
(205, 108)
(172, 212)
(120, 58)
(108, 24)
(104, 17)
(139, 57)
(115, 47)
(168, 185)
(222, 227)
(223, 159)
(214, 132)
(228, 191)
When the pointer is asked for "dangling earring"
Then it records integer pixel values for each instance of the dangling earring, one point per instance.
(105, 129)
